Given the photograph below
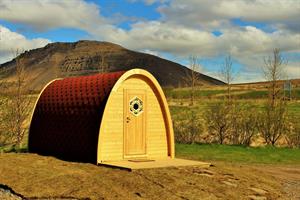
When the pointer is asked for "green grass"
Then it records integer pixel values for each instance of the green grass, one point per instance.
(294, 108)
(238, 154)
(185, 93)
(179, 112)
(254, 94)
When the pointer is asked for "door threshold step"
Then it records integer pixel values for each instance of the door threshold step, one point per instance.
(156, 163)
(141, 160)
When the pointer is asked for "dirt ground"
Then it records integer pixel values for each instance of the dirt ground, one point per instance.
(31, 176)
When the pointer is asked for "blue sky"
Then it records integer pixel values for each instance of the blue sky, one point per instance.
(171, 29)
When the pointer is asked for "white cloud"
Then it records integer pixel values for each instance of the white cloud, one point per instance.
(47, 14)
(293, 70)
(184, 28)
(11, 41)
(183, 41)
(210, 14)
(157, 36)
(248, 45)
(154, 53)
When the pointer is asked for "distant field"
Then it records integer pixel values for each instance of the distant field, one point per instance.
(239, 154)
(250, 95)
(179, 107)
(219, 93)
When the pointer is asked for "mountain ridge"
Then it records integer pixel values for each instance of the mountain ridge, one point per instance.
(61, 59)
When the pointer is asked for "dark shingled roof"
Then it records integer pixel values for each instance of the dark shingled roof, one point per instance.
(68, 115)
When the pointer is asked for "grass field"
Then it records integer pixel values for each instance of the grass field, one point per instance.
(179, 107)
(250, 95)
(239, 154)
(220, 92)
(228, 153)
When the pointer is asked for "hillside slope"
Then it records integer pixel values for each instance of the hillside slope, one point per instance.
(85, 57)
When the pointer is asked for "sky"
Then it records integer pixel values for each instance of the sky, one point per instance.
(248, 30)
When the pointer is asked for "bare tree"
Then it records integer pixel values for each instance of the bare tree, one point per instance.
(17, 105)
(192, 77)
(274, 119)
(274, 71)
(273, 122)
(227, 74)
(231, 119)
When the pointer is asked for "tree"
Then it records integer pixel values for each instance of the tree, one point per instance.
(274, 71)
(273, 122)
(233, 119)
(192, 77)
(227, 75)
(274, 119)
(17, 104)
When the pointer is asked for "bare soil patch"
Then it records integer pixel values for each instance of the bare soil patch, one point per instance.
(41, 177)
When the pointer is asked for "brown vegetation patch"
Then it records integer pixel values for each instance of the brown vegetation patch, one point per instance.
(37, 177)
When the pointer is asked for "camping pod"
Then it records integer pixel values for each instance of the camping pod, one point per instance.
(103, 117)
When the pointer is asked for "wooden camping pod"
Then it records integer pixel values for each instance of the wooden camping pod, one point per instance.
(104, 117)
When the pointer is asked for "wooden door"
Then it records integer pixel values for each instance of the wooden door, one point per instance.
(134, 123)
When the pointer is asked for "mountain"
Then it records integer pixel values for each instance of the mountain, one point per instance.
(85, 57)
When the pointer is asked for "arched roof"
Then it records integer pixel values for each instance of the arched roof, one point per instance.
(67, 116)
(67, 108)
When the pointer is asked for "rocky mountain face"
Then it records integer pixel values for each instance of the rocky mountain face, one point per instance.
(88, 57)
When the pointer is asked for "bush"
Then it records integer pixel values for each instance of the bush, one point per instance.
(242, 124)
(293, 136)
(217, 118)
(273, 122)
(189, 130)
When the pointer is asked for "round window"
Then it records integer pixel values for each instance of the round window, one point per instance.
(136, 106)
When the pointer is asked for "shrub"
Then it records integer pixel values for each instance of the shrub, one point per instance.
(188, 130)
(293, 136)
(243, 120)
(217, 118)
(273, 122)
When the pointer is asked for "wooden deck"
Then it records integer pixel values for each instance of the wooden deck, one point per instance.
(147, 164)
